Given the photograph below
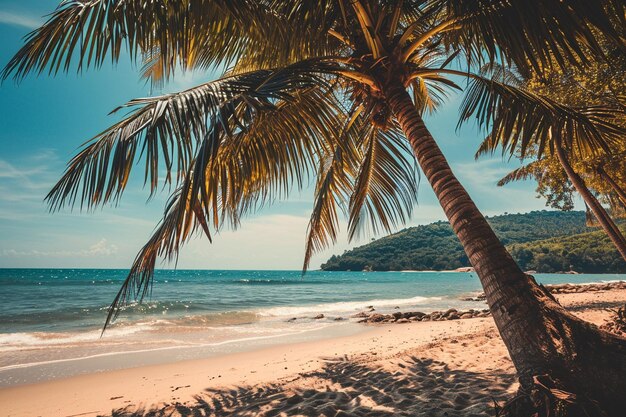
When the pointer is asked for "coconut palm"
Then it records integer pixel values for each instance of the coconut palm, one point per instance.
(335, 89)
(599, 84)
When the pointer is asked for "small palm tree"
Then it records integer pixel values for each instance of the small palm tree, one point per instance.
(567, 142)
(337, 88)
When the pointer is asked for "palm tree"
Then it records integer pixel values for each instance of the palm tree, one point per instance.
(585, 89)
(533, 170)
(601, 215)
(337, 88)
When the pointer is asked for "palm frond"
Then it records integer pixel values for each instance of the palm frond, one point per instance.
(535, 34)
(89, 32)
(177, 34)
(530, 170)
(337, 168)
(290, 31)
(181, 219)
(386, 186)
(233, 175)
(169, 128)
(518, 118)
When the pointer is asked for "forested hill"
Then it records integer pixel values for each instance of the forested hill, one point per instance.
(545, 241)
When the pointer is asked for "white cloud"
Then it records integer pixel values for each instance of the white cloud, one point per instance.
(484, 173)
(101, 248)
(17, 19)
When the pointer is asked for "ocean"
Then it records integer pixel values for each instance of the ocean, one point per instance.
(51, 319)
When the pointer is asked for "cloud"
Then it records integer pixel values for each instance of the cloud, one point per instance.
(484, 173)
(101, 248)
(24, 183)
(16, 19)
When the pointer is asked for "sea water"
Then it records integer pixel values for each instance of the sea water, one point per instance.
(51, 319)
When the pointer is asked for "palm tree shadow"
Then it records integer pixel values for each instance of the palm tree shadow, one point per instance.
(596, 305)
(420, 387)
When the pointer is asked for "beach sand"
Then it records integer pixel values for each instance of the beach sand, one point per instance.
(448, 368)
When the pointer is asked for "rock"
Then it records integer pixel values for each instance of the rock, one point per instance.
(450, 311)
(453, 316)
(319, 316)
(478, 297)
(396, 308)
(375, 318)
(403, 321)
(360, 315)
(467, 315)
(292, 319)
(338, 319)
(397, 315)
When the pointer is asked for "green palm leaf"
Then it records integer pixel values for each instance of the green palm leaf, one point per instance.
(169, 128)
(180, 33)
(530, 170)
(337, 168)
(386, 185)
(518, 118)
(233, 174)
(535, 35)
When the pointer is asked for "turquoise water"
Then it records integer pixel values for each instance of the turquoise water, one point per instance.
(52, 316)
(40, 300)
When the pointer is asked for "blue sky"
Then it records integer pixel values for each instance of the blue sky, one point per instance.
(44, 120)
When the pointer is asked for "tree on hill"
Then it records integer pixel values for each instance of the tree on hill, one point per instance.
(532, 239)
(338, 88)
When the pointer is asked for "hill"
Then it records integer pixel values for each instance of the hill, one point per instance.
(546, 241)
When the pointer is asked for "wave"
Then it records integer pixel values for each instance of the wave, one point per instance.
(225, 321)
(602, 281)
(218, 319)
(179, 345)
(14, 341)
(345, 306)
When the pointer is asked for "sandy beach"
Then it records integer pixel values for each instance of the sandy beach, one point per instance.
(425, 368)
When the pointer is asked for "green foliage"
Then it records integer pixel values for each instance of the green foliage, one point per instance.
(590, 252)
(545, 241)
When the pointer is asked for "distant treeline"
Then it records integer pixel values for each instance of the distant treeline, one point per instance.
(545, 241)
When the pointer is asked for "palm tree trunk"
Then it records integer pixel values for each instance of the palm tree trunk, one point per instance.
(541, 336)
(621, 193)
(608, 225)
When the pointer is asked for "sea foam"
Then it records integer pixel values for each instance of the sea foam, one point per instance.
(345, 306)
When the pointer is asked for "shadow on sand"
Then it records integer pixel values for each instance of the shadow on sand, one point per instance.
(419, 387)
(596, 305)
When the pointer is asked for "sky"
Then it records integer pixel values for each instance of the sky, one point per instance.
(44, 120)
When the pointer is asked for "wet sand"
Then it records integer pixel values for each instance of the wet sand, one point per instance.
(441, 368)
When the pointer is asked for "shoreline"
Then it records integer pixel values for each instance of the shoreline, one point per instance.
(24, 374)
(279, 377)
(57, 358)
